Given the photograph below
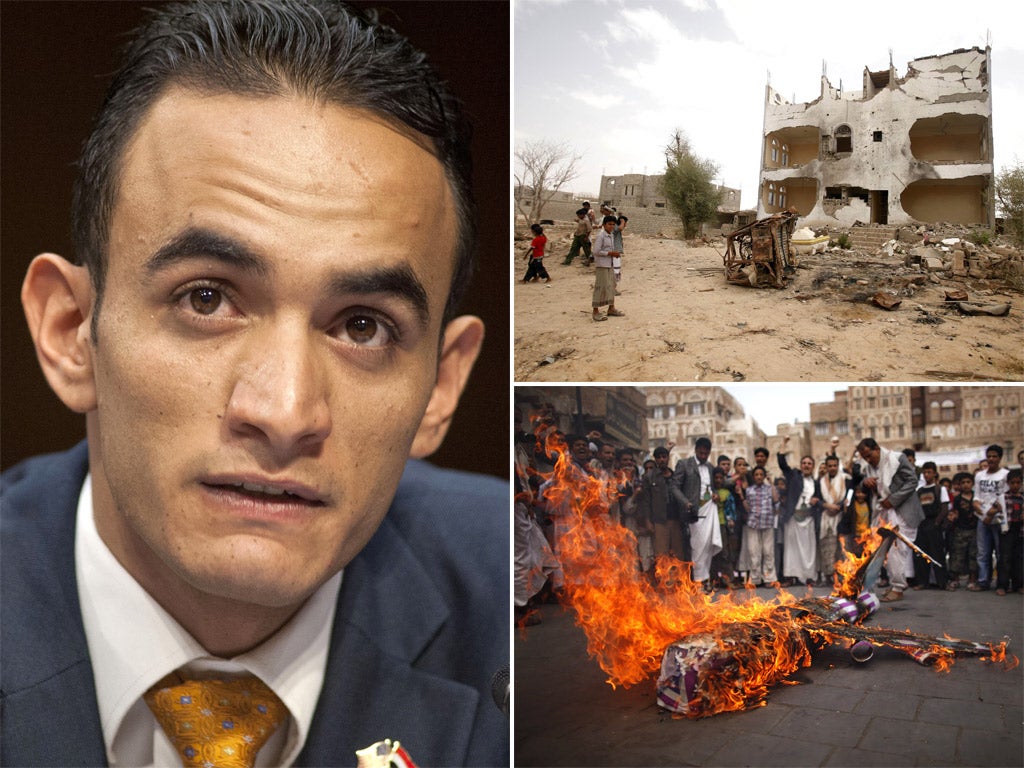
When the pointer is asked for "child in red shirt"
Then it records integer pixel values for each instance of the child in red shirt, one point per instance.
(535, 255)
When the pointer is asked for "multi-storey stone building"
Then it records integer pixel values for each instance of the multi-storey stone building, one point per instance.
(950, 423)
(680, 415)
(900, 150)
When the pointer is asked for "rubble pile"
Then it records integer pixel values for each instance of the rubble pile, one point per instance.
(965, 264)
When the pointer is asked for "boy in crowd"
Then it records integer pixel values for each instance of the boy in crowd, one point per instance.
(1010, 570)
(930, 533)
(723, 564)
(963, 554)
(991, 484)
(760, 503)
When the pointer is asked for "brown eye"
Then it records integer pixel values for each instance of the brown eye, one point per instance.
(361, 329)
(205, 301)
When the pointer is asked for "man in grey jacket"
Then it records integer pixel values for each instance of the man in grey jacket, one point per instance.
(893, 484)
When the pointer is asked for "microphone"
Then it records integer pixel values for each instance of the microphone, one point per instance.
(500, 687)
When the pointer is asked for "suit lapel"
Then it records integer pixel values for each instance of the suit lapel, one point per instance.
(388, 616)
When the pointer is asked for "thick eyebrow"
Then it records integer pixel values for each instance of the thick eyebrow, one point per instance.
(198, 243)
(399, 281)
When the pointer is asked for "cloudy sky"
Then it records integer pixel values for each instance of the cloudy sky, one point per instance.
(774, 404)
(614, 78)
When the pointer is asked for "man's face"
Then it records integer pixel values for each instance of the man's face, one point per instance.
(580, 450)
(661, 460)
(627, 462)
(760, 459)
(928, 475)
(870, 455)
(607, 456)
(993, 458)
(268, 340)
(702, 452)
(832, 466)
(807, 466)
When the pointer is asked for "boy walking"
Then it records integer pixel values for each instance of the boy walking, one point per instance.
(581, 238)
(535, 255)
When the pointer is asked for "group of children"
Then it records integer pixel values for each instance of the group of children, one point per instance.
(981, 521)
(606, 256)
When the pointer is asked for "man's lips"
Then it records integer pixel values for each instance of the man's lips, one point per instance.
(266, 489)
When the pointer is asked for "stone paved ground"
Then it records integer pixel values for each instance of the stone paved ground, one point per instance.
(889, 711)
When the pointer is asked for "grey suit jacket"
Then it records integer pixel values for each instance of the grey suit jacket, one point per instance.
(903, 491)
(686, 486)
(421, 627)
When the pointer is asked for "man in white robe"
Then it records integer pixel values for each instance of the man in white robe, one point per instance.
(691, 484)
(893, 484)
(800, 514)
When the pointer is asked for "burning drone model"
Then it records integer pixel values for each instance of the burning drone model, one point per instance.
(701, 671)
(712, 654)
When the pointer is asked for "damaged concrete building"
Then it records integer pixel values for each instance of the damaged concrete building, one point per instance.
(901, 150)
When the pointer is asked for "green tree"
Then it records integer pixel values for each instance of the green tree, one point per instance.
(1010, 196)
(688, 184)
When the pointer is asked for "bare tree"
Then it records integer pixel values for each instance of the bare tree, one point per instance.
(542, 169)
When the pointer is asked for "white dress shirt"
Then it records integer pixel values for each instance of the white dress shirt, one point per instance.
(133, 643)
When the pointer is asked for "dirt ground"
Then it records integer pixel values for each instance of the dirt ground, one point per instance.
(684, 322)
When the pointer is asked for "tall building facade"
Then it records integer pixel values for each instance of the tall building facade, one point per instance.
(900, 150)
(680, 415)
(954, 422)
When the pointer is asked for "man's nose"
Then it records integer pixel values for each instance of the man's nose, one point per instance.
(281, 394)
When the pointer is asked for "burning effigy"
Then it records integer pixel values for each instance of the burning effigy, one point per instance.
(711, 653)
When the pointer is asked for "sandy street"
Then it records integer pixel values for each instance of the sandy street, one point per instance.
(684, 322)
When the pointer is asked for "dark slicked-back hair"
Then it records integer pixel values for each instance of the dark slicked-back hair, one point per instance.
(318, 49)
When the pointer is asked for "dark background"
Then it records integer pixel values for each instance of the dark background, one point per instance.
(56, 60)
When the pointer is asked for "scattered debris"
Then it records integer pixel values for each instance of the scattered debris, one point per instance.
(559, 355)
(886, 301)
(974, 308)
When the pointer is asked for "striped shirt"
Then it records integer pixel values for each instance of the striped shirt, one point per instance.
(760, 509)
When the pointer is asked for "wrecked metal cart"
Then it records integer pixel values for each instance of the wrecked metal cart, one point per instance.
(759, 254)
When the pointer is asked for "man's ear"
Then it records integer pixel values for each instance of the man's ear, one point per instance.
(57, 299)
(462, 339)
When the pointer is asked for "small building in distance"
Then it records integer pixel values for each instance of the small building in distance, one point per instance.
(901, 150)
(639, 197)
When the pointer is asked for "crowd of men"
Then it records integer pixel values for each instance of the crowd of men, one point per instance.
(735, 524)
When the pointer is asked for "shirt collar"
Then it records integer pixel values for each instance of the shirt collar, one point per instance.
(133, 642)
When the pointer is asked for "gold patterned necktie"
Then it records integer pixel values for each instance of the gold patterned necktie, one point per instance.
(221, 723)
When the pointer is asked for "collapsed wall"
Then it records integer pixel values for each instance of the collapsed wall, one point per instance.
(901, 150)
